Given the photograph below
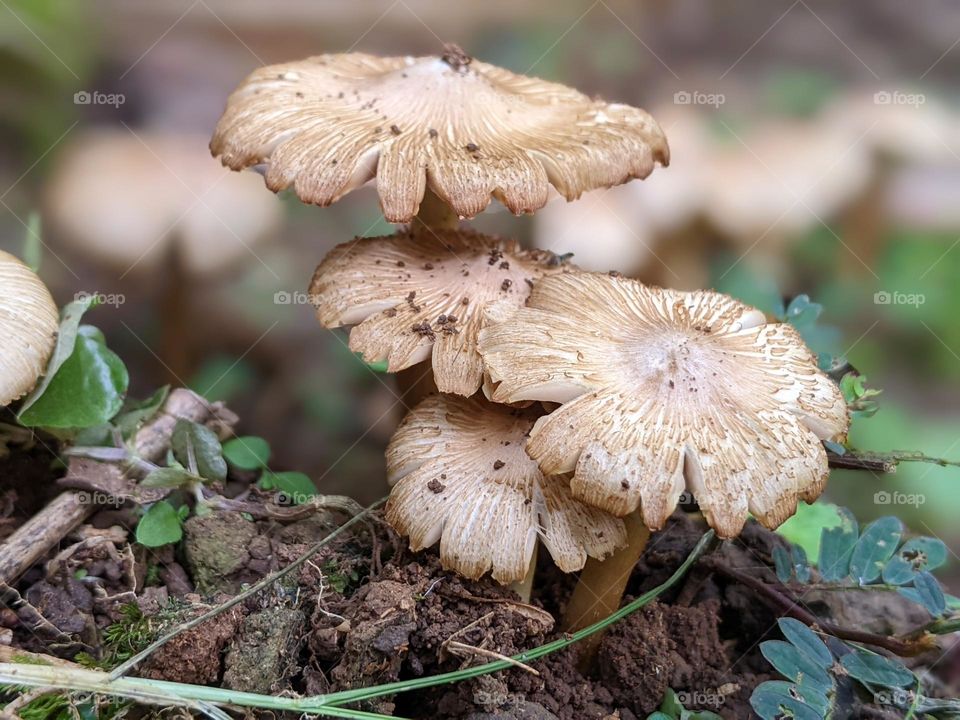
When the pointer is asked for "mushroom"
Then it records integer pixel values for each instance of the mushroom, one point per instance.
(415, 298)
(129, 199)
(460, 476)
(662, 391)
(28, 324)
(462, 129)
(150, 204)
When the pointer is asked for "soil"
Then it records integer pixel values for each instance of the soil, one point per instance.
(365, 611)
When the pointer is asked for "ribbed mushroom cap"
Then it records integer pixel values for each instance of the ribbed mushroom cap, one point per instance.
(28, 325)
(413, 298)
(460, 475)
(663, 390)
(469, 130)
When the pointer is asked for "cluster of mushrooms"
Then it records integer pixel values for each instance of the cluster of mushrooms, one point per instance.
(570, 408)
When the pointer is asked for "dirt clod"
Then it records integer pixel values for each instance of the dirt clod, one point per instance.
(264, 652)
(216, 548)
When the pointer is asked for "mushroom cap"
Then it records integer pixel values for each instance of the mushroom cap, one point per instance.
(663, 390)
(784, 177)
(469, 130)
(425, 296)
(460, 475)
(125, 198)
(28, 325)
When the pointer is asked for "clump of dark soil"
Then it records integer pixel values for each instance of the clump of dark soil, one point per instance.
(365, 610)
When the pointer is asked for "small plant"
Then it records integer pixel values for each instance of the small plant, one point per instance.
(814, 673)
(879, 558)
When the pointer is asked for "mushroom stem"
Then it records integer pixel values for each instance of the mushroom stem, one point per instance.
(434, 214)
(524, 587)
(600, 589)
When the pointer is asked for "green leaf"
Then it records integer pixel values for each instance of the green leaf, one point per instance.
(160, 525)
(776, 700)
(898, 571)
(836, 547)
(247, 453)
(806, 641)
(801, 312)
(801, 567)
(875, 547)
(930, 593)
(87, 389)
(783, 564)
(295, 485)
(66, 339)
(916, 555)
(924, 553)
(168, 477)
(137, 413)
(876, 669)
(807, 524)
(659, 716)
(795, 666)
(205, 445)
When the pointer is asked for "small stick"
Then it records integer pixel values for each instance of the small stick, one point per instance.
(902, 646)
(473, 649)
(36, 537)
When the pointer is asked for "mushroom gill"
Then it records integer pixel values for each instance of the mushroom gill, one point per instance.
(460, 476)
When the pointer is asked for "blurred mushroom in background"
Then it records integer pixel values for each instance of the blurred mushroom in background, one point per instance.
(148, 203)
(746, 190)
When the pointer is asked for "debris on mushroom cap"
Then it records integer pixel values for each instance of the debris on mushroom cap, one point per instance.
(460, 475)
(469, 130)
(28, 325)
(125, 198)
(663, 390)
(425, 297)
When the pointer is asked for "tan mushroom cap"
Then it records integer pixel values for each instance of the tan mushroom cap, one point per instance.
(126, 199)
(468, 130)
(664, 390)
(28, 325)
(414, 298)
(460, 475)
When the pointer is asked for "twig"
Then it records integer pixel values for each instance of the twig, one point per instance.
(851, 461)
(904, 646)
(127, 666)
(885, 462)
(474, 650)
